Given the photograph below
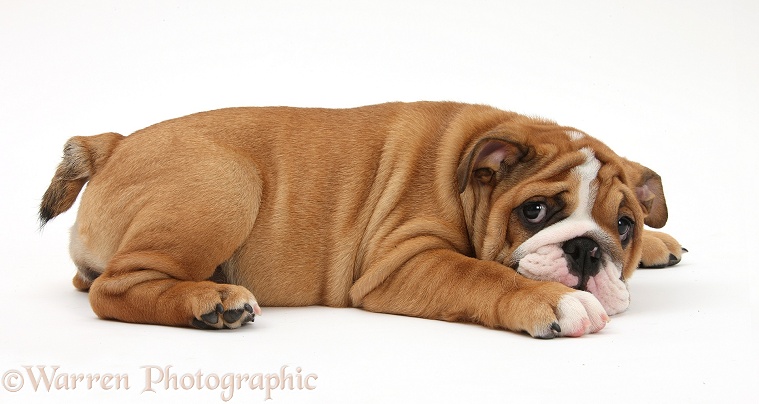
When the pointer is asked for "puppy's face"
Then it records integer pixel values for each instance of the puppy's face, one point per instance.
(570, 212)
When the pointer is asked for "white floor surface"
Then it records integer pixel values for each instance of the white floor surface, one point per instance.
(673, 86)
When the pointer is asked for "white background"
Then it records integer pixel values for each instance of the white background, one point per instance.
(670, 84)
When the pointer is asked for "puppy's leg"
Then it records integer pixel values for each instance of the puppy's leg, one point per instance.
(660, 250)
(171, 243)
(445, 285)
(155, 288)
(83, 279)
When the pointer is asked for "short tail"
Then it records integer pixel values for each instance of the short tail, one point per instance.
(83, 156)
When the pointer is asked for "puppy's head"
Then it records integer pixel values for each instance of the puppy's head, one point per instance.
(558, 205)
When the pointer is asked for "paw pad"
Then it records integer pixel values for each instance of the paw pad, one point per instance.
(220, 318)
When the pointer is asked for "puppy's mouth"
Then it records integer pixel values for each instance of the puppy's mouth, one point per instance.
(572, 263)
(579, 263)
(549, 263)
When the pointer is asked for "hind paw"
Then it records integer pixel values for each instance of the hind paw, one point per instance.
(230, 306)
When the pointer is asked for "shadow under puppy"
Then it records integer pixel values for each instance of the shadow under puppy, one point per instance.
(437, 210)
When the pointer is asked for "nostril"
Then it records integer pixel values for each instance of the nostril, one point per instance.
(572, 249)
(595, 253)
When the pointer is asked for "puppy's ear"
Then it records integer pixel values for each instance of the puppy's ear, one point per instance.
(486, 158)
(650, 193)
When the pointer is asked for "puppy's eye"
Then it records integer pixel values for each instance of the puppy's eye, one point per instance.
(625, 226)
(535, 212)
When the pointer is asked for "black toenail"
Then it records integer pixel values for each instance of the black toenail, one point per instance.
(248, 308)
(248, 318)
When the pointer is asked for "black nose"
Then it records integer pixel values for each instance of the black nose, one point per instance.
(584, 258)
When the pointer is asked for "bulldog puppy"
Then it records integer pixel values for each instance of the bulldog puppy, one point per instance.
(436, 210)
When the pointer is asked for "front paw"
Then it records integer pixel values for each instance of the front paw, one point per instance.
(553, 310)
(578, 313)
(660, 250)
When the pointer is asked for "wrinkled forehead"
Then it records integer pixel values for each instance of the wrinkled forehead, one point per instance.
(562, 150)
(560, 159)
(588, 174)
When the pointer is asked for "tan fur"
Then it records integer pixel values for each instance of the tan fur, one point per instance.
(393, 208)
(659, 250)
